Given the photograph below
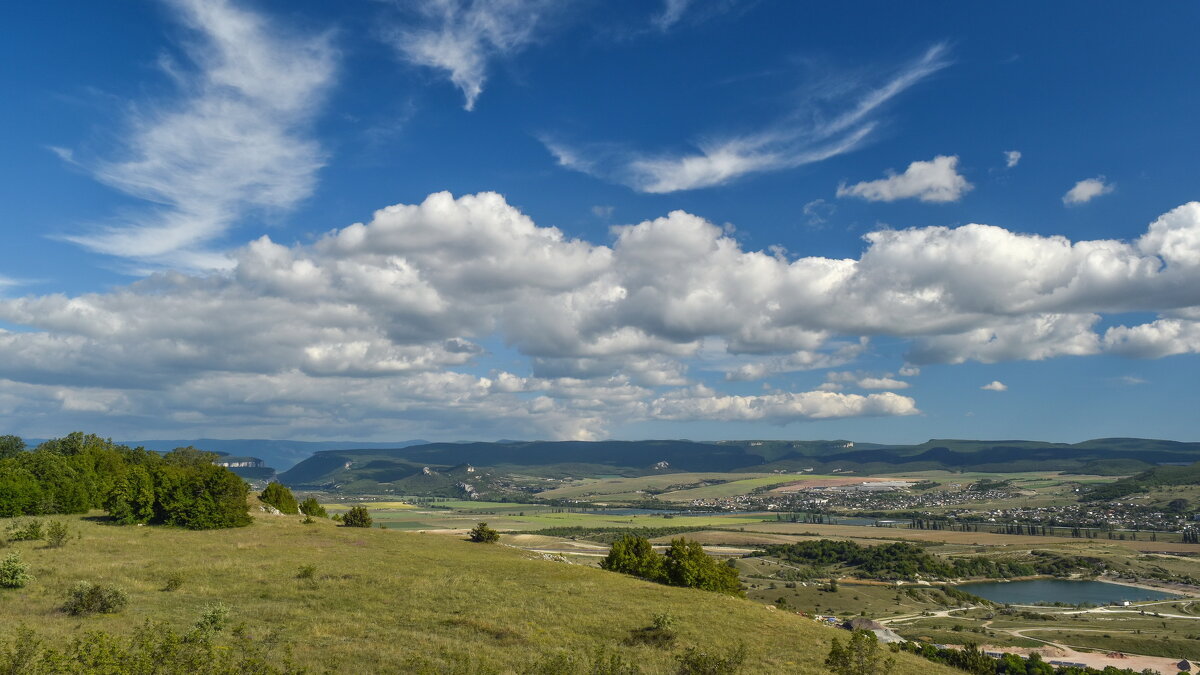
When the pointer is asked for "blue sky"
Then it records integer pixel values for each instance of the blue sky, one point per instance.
(534, 219)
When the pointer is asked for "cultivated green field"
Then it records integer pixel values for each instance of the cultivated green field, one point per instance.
(387, 601)
(626, 489)
(505, 516)
(731, 489)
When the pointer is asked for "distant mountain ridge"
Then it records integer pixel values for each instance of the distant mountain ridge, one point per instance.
(397, 469)
(277, 454)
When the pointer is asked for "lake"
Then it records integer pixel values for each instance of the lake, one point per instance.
(1037, 591)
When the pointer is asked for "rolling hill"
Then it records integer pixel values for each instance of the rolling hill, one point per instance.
(376, 601)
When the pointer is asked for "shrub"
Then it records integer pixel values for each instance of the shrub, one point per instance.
(152, 648)
(280, 497)
(57, 534)
(214, 618)
(173, 581)
(88, 598)
(482, 534)
(13, 572)
(357, 516)
(661, 633)
(310, 507)
(598, 662)
(698, 662)
(29, 530)
(861, 656)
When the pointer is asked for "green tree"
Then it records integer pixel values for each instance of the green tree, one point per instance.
(280, 497)
(11, 446)
(310, 507)
(482, 534)
(200, 496)
(632, 554)
(357, 516)
(860, 656)
(686, 564)
(20, 492)
(64, 488)
(132, 497)
(1011, 664)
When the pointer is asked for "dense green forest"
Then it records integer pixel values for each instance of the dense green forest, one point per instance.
(80, 472)
(902, 560)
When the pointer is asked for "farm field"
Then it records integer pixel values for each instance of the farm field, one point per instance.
(388, 601)
(965, 538)
(520, 517)
(1167, 642)
(637, 488)
(730, 489)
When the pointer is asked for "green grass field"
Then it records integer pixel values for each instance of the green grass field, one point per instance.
(627, 489)
(388, 601)
(731, 489)
(1166, 643)
(508, 516)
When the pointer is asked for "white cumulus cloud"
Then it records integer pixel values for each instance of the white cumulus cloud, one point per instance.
(937, 180)
(380, 327)
(995, 385)
(1086, 190)
(701, 403)
(1011, 158)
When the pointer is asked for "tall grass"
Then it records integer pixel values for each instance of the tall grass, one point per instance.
(387, 601)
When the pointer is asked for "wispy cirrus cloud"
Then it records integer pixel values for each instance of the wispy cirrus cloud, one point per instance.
(788, 143)
(460, 37)
(235, 139)
(672, 12)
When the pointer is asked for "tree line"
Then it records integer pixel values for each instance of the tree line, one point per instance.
(80, 472)
(903, 560)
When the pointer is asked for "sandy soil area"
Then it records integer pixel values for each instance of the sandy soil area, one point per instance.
(827, 482)
(1095, 660)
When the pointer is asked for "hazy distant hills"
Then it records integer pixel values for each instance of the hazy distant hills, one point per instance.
(440, 466)
(279, 455)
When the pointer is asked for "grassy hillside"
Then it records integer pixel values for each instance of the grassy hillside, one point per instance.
(387, 601)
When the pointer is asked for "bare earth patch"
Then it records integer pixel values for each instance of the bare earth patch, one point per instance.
(826, 482)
